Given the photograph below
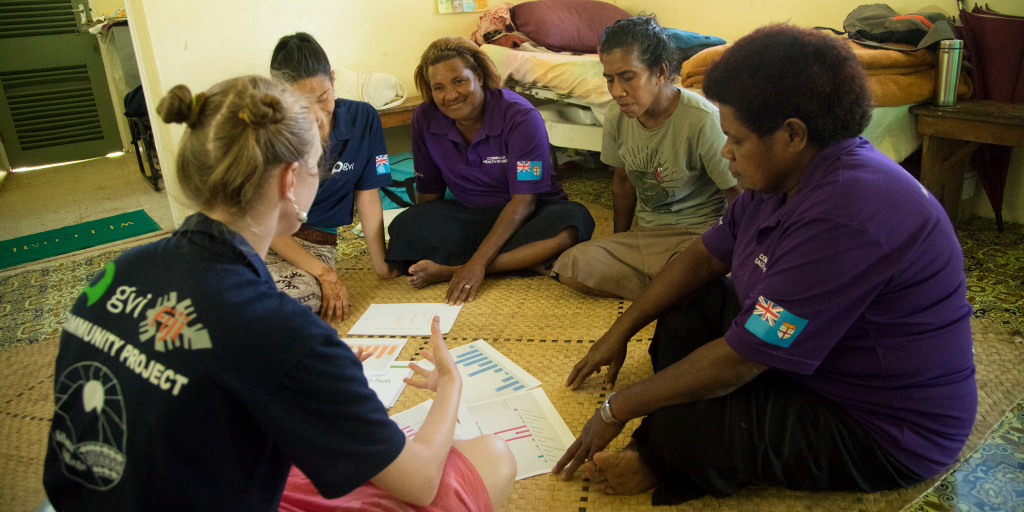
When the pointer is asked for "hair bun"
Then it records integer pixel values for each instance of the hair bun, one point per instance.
(176, 107)
(265, 111)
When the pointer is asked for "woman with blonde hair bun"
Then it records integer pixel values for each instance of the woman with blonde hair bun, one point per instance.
(187, 381)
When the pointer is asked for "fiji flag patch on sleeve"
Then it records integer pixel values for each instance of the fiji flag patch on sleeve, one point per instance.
(773, 324)
(528, 170)
(382, 165)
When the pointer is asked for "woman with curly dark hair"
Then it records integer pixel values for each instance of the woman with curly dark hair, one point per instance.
(838, 357)
(488, 147)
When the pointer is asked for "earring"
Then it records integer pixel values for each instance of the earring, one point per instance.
(301, 216)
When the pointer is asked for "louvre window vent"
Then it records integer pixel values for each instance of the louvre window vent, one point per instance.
(27, 18)
(52, 107)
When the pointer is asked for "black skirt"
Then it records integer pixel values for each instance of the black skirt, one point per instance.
(449, 233)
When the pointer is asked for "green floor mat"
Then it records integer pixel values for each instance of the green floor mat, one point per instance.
(75, 238)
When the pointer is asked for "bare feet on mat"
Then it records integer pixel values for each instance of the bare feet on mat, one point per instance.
(426, 272)
(619, 472)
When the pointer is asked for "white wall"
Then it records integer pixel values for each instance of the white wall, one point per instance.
(5, 165)
(201, 43)
(101, 7)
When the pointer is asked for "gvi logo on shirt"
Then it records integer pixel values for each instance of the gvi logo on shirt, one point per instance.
(342, 166)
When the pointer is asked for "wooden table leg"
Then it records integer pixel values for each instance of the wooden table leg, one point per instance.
(943, 178)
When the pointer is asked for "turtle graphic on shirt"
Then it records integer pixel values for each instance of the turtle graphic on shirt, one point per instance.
(647, 171)
(89, 429)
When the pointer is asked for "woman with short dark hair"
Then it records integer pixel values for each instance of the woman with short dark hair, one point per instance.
(489, 147)
(355, 166)
(838, 357)
(663, 144)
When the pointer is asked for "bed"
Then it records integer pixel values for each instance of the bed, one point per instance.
(580, 94)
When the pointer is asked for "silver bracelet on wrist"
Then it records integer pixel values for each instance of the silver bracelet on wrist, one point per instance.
(606, 412)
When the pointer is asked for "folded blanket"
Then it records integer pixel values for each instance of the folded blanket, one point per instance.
(870, 59)
(892, 90)
(894, 78)
(877, 58)
(897, 71)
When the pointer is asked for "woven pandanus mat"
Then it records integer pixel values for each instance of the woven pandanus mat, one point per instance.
(26, 408)
(543, 327)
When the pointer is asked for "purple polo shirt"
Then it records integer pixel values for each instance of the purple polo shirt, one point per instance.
(855, 288)
(509, 155)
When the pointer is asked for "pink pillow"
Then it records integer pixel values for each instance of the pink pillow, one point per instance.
(566, 25)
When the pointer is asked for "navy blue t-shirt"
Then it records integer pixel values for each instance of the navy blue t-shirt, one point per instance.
(186, 381)
(356, 159)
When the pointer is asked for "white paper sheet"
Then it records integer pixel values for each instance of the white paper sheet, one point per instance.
(404, 319)
(384, 353)
(530, 425)
(487, 374)
(411, 420)
(389, 384)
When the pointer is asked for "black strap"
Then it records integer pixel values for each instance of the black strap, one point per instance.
(857, 38)
(866, 42)
(834, 31)
(410, 189)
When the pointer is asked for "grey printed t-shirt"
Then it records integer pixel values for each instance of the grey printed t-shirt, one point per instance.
(677, 168)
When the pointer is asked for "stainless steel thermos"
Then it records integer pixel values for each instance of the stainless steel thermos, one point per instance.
(947, 72)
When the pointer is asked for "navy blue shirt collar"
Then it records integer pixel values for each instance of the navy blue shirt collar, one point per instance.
(341, 128)
(199, 222)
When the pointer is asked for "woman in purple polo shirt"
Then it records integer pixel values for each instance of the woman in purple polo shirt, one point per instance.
(488, 146)
(838, 357)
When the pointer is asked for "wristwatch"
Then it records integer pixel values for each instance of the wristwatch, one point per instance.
(606, 412)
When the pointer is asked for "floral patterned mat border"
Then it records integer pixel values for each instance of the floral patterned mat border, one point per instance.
(991, 479)
(994, 265)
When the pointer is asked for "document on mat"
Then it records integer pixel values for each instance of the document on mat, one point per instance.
(530, 425)
(404, 319)
(389, 384)
(383, 353)
(487, 374)
(411, 420)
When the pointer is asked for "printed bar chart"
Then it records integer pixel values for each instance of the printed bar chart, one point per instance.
(487, 374)
(383, 353)
(409, 422)
(477, 363)
(530, 425)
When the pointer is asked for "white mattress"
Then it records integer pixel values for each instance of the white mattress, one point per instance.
(578, 76)
(893, 130)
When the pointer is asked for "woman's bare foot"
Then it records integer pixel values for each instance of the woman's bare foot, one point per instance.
(619, 472)
(426, 272)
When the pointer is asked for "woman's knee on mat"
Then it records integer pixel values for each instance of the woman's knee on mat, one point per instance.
(495, 463)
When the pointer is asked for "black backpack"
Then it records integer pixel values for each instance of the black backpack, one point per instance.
(876, 24)
(135, 103)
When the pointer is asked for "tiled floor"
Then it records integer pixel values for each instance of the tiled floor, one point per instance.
(54, 197)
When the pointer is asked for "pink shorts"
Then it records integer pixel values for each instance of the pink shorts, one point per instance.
(461, 489)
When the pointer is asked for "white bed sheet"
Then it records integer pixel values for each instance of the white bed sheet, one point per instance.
(893, 130)
(579, 76)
